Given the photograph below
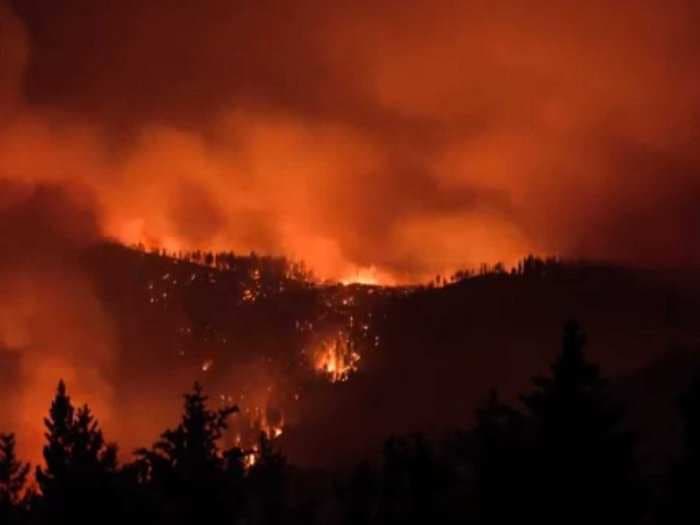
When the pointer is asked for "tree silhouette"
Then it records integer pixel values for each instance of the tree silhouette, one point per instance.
(412, 480)
(502, 463)
(186, 469)
(682, 505)
(563, 457)
(13, 479)
(59, 435)
(80, 466)
(267, 479)
(359, 498)
(584, 467)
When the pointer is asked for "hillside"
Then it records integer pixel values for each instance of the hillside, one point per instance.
(331, 370)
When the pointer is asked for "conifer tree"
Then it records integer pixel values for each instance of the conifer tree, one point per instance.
(682, 504)
(412, 479)
(502, 461)
(360, 497)
(584, 468)
(188, 472)
(13, 480)
(79, 466)
(268, 483)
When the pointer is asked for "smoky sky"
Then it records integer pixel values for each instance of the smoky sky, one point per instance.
(407, 137)
(52, 324)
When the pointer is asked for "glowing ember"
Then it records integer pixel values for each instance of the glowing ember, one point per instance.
(206, 365)
(250, 295)
(254, 422)
(250, 458)
(336, 359)
(270, 422)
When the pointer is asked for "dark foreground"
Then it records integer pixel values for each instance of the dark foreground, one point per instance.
(562, 456)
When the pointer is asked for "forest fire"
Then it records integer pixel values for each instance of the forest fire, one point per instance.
(316, 213)
(269, 422)
(336, 359)
(250, 458)
(256, 421)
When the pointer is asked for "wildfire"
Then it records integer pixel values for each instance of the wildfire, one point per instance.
(336, 358)
(254, 421)
(270, 422)
(367, 275)
(250, 458)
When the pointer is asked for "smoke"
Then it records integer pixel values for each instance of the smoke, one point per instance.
(379, 139)
(385, 140)
(412, 139)
(13, 58)
(51, 324)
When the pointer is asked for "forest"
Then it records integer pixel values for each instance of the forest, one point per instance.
(349, 263)
(562, 453)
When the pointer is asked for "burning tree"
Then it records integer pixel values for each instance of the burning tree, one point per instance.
(336, 358)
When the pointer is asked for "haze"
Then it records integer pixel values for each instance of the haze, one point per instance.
(391, 139)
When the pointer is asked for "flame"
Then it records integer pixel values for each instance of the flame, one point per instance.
(249, 460)
(250, 457)
(254, 421)
(336, 359)
(263, 422)
(368, 275)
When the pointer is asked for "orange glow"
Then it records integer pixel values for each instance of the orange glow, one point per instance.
(369, 275)
(335, 359)
(418, 168)
(250, 458)
(378, 145)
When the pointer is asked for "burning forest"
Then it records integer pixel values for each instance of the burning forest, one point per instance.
(302, 379)
(408, 262)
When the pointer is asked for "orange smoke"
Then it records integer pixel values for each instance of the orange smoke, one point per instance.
(381, 142)
(408, 139)
(52, 326)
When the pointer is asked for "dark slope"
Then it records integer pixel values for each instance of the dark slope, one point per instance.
(429, 355)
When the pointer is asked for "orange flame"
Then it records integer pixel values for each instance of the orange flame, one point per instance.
(336, 359)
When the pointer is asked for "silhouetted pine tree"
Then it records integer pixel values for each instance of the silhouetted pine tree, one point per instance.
(584, 468)
(80, 466)
(502, 463)
(13, 479)
(359, 498)
(682, 503)
(188, 473)
(267, 483)
(412, 480)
